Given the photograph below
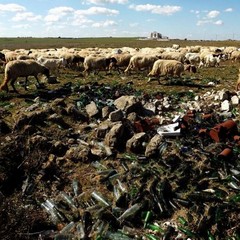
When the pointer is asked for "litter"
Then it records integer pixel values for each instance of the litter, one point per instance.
(170, 130)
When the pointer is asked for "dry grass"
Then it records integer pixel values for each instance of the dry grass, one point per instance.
(28, 43)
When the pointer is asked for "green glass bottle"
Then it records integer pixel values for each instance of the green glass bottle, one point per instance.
(210, 235)
(187, 232)
(147, 218)
(151, 237)
(154, 228)
(235, 198)
(183, 221)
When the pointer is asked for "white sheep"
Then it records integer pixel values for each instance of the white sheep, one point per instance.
(24, 57)
(138, 62)
(235, 56)
(193, 58)
(22, 68)
(97, 64)
(178, 56)
(163, 67)
(53, 64)
(176, 46)
(238, 82)
(210, 60)
(10, 56)
(73, 59)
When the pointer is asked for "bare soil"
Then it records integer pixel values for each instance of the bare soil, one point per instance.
(31, 165)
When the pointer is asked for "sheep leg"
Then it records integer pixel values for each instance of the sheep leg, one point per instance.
(4, 86)
(86, 72)
(116, 67)
(37, 80)
(26, 81)
(120, 70)
(12, 84)
(108, 71)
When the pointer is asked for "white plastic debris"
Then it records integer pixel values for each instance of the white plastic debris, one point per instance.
(176, 118)
(235, 100)
(225, 105)
(211, 84)
(169, 130)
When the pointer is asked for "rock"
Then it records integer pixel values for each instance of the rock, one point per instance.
(55, 118)
(132, 117)
(99, 152)
(150, 107)
(145, 124)
(102, 131)
(152, 147)
(116, 115)
(106, 111)
(39, 142)
(71, 141)
(32, 107)
(112, 138)
(76, 114)
(100, 149)
(118, 135)
(128, 104)
(37, 117)
(81, 153)
(92, 109)
(58, 102)
(135, 144)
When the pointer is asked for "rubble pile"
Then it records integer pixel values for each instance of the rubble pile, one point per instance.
(115, 163)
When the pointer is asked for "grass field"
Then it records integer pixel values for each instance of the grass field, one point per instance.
(224, 76)
(28, 43)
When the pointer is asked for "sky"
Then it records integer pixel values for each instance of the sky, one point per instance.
(191, 19)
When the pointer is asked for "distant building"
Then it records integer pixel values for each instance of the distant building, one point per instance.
(155, 35)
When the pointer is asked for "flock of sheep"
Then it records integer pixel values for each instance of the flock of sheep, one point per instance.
(168, 62)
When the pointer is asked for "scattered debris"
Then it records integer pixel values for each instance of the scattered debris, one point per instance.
(152, 168)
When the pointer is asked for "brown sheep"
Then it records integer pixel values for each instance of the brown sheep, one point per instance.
(22, 68)
(122, 61)
(164, 67)
(138, 62)
(98, 63)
